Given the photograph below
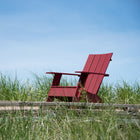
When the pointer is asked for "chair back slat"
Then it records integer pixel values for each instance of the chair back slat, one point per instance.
(88, 62)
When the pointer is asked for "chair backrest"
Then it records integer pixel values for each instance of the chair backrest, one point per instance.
(97, 63)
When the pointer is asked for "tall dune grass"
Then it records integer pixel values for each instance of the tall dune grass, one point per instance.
(122, 93)
(37, 90)
(15, 90)
(61, 125)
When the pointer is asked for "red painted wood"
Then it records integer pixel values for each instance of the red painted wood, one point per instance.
(99, 64)
(94, 79)
(56, 79)
(62, 91)
(92, 73)
(90, 78)
(88, 63)
(102, 70)
(63, 73)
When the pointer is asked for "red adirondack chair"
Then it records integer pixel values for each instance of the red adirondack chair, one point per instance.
(89, 83)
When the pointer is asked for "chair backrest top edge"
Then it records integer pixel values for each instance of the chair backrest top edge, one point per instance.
(102, 54)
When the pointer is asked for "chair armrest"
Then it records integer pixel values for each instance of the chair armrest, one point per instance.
(91, 73)
(63, 73)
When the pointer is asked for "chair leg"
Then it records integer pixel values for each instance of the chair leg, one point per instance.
(50, 99)
(93, 98)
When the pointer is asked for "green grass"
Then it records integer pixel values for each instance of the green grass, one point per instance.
(13, 90)
(122, 93)
(62, 125)
(37, 90)
(68, 125)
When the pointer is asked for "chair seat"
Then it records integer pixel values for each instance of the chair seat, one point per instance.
(58, 91)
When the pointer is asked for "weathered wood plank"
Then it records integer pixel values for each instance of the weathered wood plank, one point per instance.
(80, 104)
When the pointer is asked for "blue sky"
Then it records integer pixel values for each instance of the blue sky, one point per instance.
(57, 35)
